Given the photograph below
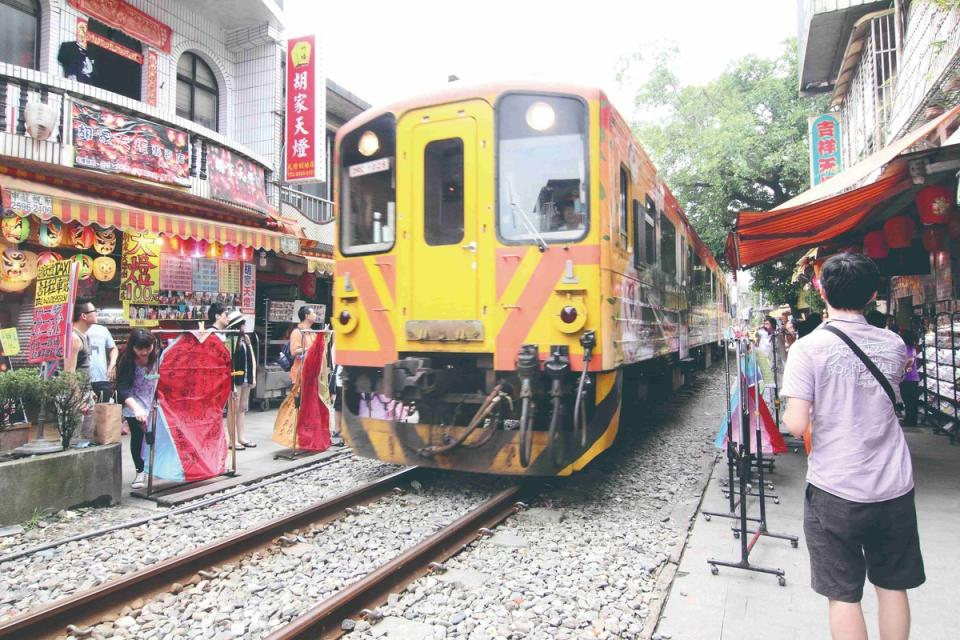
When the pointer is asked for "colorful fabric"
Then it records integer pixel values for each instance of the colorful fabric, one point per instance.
(307, 426)
(773, 442)
(195, 381)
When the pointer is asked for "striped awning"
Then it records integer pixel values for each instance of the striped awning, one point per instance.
(321, 266)
(50, 202)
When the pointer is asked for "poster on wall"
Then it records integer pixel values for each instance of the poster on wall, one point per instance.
(826, 160)
(121, 143)
(235, 179)
(140, 269)
(229, 272)
(206, 276)
(53, 311)
(304, 159)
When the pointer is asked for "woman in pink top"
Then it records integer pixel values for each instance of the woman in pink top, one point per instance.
(910, 386)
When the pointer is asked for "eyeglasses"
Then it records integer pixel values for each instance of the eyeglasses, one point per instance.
(90, 311)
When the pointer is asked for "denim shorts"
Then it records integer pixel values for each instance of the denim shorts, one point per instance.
(850, 541)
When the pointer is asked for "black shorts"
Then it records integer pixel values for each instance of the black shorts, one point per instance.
(849, 541)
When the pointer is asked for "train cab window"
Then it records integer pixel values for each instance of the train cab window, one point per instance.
(368, 219)
(443, 192)
(624, 199)
(542, 169)
(650, 232)
(668, 246)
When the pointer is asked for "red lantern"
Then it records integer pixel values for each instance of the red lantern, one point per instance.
(308, 284)
(934, 203)
(246, 253)
(214, 250)
(229, 252)
(201, 247)
(175, 244)
(875, 245)
(933, 238)
(190, 246)
(898, 232)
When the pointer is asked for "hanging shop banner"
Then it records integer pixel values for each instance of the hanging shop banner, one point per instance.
(303, 421)
(10, 341)
(121, 143)
(236, 180)
(140, 268)
(84, 34)
(306, 113)
(152, 68)
(130, 20)
(248, 288)
(825, 148)
(53, 311)
(194, 384)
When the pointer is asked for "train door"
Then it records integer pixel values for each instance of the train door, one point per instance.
(440, 145)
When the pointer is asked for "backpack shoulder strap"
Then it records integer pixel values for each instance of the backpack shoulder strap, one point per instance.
(868, 363)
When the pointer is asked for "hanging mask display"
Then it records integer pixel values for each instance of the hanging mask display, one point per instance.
(51, 233)
(81, 237)
(105, 241)
(86, 265)
(47, 257)
(17, 270)
(104, 269)
(15, 229)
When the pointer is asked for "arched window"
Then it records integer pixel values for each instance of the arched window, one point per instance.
(198, 97)
(19, 32)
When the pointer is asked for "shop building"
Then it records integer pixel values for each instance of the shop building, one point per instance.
(157, 117)
(885, 161)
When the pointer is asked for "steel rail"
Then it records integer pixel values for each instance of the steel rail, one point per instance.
(89, 605)
(324, 619)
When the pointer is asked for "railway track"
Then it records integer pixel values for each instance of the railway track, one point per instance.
(76, 613)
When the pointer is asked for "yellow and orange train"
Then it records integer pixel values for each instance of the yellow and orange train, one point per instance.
(510, 270)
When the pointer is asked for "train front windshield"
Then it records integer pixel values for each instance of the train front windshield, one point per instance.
(542, 160)
(368, 188)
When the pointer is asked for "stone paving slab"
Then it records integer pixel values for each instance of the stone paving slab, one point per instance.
(741, 605)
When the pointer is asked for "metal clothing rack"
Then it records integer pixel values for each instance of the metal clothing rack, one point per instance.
(294, 453)
(741, 457)
(939, 341)
(153, 424)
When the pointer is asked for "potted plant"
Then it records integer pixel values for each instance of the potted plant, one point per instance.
(69, 398)
(31, 389)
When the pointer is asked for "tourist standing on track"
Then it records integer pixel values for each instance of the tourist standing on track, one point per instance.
(860, 519)
(136, 389)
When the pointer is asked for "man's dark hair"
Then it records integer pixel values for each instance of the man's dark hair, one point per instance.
(81, 307)
(215, 309)
(849, 280)
(304, 311)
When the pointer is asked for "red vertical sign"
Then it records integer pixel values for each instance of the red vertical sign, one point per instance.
(305, 139)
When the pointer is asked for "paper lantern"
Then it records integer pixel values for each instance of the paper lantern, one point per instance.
(81, 237)
(104, 241)
(308, 284)
(175, 245)
(247, 254)
(202, 246)
(190, 246)
(229, 252)
(47, 257)
(934, 203)
(15, 229)
(17, 270)
(214, 250)
(898, 232)
(875, 245)
(104, 268)
(51, 233)
(86, 265)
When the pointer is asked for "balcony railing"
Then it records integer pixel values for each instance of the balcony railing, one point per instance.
(20, 86)
(314, 208)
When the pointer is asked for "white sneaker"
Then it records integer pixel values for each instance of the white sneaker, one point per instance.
(139, 481)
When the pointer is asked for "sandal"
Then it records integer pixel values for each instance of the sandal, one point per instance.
(238, 447)
(249, 445)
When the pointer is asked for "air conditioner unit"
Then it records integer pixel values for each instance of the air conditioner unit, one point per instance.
(41, 120)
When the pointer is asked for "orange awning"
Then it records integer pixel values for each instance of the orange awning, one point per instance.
(85, 209)
(830, 209)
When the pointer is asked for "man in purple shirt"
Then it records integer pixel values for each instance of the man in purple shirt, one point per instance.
(859, 515)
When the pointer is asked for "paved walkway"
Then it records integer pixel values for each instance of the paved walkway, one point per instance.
(252, 463)
(743, 605)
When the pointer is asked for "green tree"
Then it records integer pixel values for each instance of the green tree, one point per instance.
(738, 142)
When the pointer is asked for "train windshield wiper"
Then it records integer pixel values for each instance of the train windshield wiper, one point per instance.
(525, 217)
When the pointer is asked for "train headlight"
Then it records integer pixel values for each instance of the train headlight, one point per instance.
(541, 116)
(369, 143)
(570, 315)
(346, 322)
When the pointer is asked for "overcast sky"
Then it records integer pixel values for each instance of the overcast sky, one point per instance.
(387, 50)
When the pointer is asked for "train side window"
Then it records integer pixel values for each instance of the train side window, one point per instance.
(443, 192)
(638, 235)
(668, 246)
(624, 199)
(650, 232)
